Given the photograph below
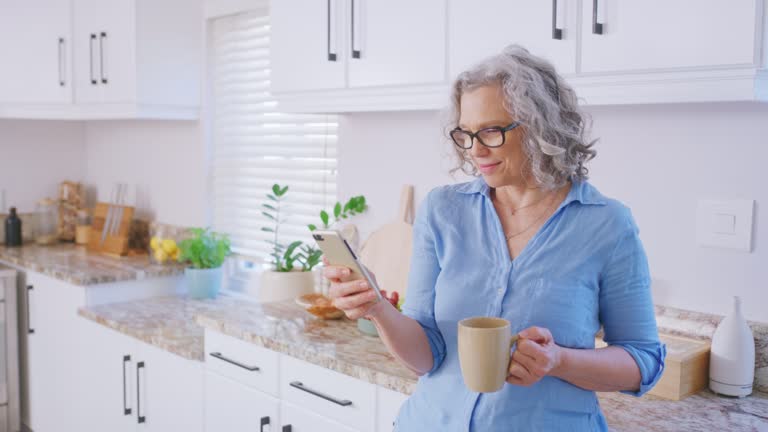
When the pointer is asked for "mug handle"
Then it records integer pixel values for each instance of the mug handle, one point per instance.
(512, 341)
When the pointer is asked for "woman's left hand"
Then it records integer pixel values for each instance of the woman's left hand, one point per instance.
(536, 356)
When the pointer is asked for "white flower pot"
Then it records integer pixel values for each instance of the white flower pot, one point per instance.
(277, 286)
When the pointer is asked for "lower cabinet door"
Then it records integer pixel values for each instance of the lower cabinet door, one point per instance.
(169, 391)
(295, 419)
(234, 407)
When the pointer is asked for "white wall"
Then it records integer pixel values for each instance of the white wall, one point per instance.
(657, 159)
(163, 162)
(35, 157)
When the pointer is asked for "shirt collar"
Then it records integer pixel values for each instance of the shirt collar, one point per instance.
(583, 192)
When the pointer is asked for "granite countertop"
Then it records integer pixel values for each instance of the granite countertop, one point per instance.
(177, 324)
(73, 264)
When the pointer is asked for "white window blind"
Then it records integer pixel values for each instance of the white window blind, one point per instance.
(256, 146)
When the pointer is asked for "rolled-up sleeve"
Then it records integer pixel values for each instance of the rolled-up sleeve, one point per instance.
(425, 268)
(626, 307)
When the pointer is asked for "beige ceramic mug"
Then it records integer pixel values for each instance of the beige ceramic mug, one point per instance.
(484, 352)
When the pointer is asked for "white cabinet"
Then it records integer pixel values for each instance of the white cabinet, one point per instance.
(132, 386)
(396, 42)
(307, 45)
(50, 353)
(388, 405)
(119, 59)
(481, 29)
(295, 419)
(658, 34)
(35, 51)
(342, 55)
(233, 407)
(108, 380)
(105, 51)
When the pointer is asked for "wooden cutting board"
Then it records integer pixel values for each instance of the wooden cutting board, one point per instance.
(387, 251)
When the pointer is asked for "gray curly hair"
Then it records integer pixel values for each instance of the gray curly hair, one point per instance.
(554, 140)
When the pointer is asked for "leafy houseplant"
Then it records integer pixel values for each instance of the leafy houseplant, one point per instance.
(285, 258)
(205, 252)
(291, 265)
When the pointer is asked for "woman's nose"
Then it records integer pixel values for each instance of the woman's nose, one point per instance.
(479, 150)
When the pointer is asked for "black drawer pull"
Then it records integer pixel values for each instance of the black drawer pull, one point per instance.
(300, 386)
(234, 362)
(126, 410)
(30, 330)
(597, 28)
(264, 422)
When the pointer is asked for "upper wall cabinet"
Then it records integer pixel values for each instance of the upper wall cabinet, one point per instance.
(481, 29)
(657, 34)
(610, 51)
(352, 55)
(112, 59)
(35, 51)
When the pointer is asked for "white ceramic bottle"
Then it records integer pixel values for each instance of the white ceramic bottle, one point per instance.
(732, 358)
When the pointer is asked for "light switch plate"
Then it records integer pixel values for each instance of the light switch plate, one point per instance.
(725, 224)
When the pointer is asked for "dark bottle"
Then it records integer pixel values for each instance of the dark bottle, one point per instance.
(13, 229)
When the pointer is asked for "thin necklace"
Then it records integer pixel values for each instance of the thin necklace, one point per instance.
(510, 236)
(513, 211)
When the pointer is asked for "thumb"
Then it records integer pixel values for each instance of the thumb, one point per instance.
(536, 334)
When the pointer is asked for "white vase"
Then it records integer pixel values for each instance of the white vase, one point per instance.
(277, 286)
(732, 356)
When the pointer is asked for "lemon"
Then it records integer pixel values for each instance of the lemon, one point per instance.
(154, 243)
(160, 256)
(175, 255)
(169, 246)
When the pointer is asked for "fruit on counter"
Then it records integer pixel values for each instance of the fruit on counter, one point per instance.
(164, 249)
(393, 298)
(169, 246)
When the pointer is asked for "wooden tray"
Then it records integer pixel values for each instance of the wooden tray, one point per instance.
(686, 368)
(117, 244)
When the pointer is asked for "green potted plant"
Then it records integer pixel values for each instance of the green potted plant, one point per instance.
(290, 274)
(205, 252)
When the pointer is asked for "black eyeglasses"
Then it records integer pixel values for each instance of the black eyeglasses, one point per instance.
(489, 137)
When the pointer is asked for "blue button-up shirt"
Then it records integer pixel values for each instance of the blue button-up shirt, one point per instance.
(584, 268)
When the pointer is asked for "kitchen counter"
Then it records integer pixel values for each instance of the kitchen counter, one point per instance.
(177, 325)
(73, 264)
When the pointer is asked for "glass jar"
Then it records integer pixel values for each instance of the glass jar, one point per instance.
(83, 227)
(47, 232)
(164, 243)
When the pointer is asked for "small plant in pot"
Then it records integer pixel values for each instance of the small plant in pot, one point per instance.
(290, 273)
(205, 252)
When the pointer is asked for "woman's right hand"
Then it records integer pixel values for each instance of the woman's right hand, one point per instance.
(355, 297)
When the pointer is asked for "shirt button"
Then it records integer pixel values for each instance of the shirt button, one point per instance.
(500, 290)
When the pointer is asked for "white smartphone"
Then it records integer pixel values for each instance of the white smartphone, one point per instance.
(337, 251)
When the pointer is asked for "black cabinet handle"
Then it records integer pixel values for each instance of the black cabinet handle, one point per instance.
(331, 55)
(140, 418)
(300, 386)
(597, 28)
(264, 422)
(557, 33)
(62, 63)
(126, 410)
(219, 356)
(287, 428)
(355, 52)
(93, 74)
(102, 38)
(30, 330)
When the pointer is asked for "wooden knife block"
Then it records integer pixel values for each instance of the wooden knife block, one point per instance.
(114, 244)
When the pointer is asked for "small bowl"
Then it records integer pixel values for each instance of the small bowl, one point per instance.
(319, 306)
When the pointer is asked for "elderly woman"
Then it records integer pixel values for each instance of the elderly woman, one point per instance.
(531, 241)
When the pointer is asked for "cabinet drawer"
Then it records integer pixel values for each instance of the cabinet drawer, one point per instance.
(295, 419)
(333, 395)
(244, 362)
(388, 405)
